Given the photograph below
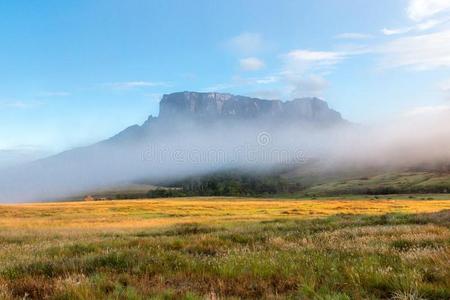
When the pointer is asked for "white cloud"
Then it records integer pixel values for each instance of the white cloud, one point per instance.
(427, 25)
(285, 85)
(134, 84)
(251, 64)
(352, 36)
(394, 31)
(301, 74)
(294, 86)
(301, 61)
(420, 12)
(309, 86)
(421, 52)
(303, 71)
(326, 57)
(246, 43)
(422, 9)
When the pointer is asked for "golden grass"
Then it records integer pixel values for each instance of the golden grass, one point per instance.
(226, 248)
(134, 214)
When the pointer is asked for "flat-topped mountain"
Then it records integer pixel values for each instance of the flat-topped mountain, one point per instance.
(227, 106)
(182, 110)
(176, 110)
(190, 126)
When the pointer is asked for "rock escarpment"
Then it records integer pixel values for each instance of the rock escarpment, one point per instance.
(218, 106)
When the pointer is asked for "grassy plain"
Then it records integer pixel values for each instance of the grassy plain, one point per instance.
(226, 248)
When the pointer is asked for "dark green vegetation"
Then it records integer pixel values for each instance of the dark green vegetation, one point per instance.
(282, 183)
(393, 256)
(226, 183)
(231, 183)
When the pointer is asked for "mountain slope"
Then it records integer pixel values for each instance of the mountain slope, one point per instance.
(189, 123)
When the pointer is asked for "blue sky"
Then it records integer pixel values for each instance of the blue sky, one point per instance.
(75, 72)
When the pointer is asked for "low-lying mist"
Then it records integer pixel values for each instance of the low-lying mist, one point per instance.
(181, 148)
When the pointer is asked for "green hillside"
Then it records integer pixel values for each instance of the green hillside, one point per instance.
(385, 183)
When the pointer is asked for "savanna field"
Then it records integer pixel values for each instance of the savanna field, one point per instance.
(226, 248)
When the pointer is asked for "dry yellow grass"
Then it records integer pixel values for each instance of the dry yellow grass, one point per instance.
(226, 248)
(133, 214)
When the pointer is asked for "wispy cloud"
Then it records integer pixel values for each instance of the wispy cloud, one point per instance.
(425, 15)
(251, 64)
(352, 36)
(323, 57)
(246, 43)
(422, 9)
(128, 85)
(301, 60)
(303, 71)
(394, 31)
(427, 25)
(301, 74)
(299, 63)
(421, 52)
(308, 86)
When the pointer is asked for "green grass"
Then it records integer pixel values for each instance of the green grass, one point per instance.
(392, 256)
(364, 197)
(386, 183)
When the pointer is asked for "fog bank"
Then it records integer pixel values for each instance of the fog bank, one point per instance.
(190, 148)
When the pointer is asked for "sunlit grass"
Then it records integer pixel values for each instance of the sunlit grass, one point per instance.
(220, 248)
(162, 212)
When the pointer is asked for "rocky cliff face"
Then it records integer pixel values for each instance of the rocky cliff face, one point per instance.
(210, 108)
(226, 106)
